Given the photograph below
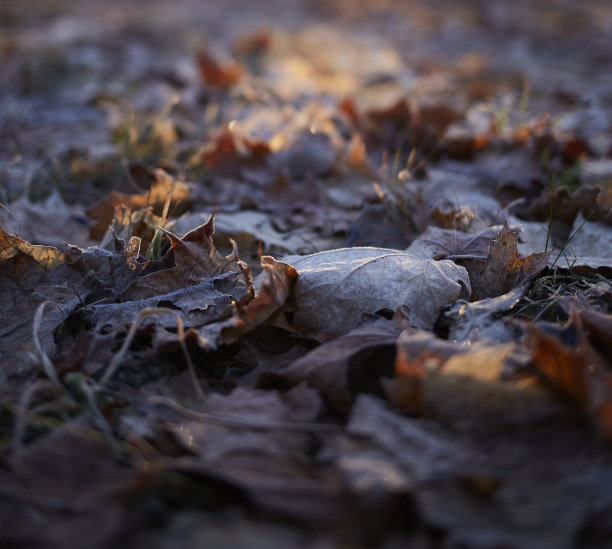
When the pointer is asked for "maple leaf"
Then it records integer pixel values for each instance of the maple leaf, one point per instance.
(31, 275)
(504, 269)
(191, 259)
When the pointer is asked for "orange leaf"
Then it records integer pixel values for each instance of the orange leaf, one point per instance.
(218, 74)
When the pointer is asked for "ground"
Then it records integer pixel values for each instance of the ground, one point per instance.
(305, 274)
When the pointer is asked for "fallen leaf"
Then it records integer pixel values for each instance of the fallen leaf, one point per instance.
(572, 366)
(589, 248)
(265, 296)
(73, 481)
(249, 440)
(503, 269)
(465, 385)
(31, 275)
(191, 259)
(230, 155)
(438, 243)
(163, 186)
(565, 205)
(336, 287)
(483, 319)
(50, 222)
(197, 305)
(250, 229)
(217, 73)
(340, 368)
(417, 452)
(311, 154)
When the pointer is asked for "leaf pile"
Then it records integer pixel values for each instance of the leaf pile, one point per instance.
(321, 275)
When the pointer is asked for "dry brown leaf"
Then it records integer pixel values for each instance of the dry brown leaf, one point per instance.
(229, 155)
(191, 259)
(590, 200)
(463, 384)
(417, 352)
(574, 368)
(503, 269)
(351, 363)
(30, 275)
(162, 187)
(271, 290)
(217, 73)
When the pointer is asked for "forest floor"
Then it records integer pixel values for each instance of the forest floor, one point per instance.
(306, 274)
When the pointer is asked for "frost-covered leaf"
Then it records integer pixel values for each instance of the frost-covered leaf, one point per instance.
(437, 243)
(196, 305)
(335, 288)
(30, 275)
(50, 222)
(590, 246)
(481, 319)
(249, 228)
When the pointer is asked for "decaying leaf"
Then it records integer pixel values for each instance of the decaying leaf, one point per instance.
(352, 363)
(569, 362)
(217, 73)
(335, 288)
(271, 290)
(504, 269)
(464, 384)
(191, 259)
(31, 275)
(162, 188)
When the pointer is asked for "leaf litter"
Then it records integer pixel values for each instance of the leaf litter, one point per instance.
(194, 344)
